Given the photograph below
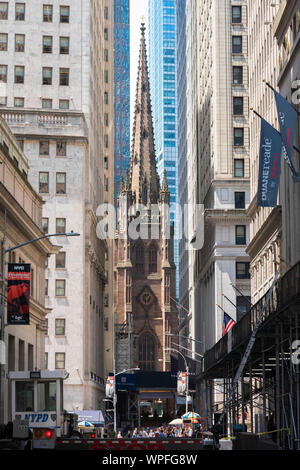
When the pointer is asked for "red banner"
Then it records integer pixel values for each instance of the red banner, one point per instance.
(18, 294)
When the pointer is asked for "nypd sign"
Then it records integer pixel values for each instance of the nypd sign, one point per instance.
(39, 419)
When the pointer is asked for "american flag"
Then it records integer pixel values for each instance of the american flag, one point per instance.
(228, 323)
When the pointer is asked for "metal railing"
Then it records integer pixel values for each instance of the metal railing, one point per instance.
(286, 291)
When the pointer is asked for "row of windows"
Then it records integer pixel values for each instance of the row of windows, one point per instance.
(20, 12)
(61, 183)
(47, 103)
(47, 75)
(60, 225)
(47, 43)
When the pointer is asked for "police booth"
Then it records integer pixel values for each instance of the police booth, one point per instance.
(37, 397)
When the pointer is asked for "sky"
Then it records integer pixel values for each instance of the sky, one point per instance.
(138, 9)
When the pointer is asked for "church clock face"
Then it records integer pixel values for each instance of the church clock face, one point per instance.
(146, 299)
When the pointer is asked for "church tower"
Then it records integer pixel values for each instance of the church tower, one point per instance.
(144, 294)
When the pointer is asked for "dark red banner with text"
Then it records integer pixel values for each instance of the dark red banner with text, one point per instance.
(18, 294)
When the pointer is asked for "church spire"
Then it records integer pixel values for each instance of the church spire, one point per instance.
(144, 178)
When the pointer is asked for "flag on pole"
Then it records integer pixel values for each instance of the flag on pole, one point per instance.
(228, 323)
(287, 117)
(269, 165)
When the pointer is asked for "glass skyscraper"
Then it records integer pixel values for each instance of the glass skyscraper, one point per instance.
(121, 90)
(163, 83)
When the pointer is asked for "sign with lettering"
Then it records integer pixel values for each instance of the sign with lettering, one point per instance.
(18, 294)
(269, 165)
(38, 419)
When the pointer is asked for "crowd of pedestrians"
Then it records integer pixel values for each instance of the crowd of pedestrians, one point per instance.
(162, 432)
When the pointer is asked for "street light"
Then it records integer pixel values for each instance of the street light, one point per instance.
(2, 314)
(115, 394)
(187, 375)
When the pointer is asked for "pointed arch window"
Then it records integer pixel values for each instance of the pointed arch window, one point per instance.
(147, 352)
(139, 258)
(167, 289)
(128, 287)
(152, 259)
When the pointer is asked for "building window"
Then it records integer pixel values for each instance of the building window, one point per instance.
(238, 75)
(239, 170)
(3, 73)
(153, 260)
(60, 225)
(20, 11)
(60, 288)
(237, 14)
(106, 13)
(167, 289)
(239, 200)
(64, 45)
(47, 13)
(240, 235)
(44, 182)
(238, 137)
(105, 97)
(44, 147)
(106, 55)
(60, 183)
(19, 73)
(64, 77)
(64, 14)
(147, 352)
(60, 360)
(19, 42)
(242, 270)
(19, 102)
(105, 76)
(3, 10)
(106, 141)
(105, 183)
(47, 44)
(105, 163)
(106, 119)
(139, 258)
(60, 326)
(243, 305)
(45, 225)
(237, 44)
(64, 104)
(47, 75)
(60, 261)
(128, 287)
(3, 42)
(46, 103)
(106, 34)
(3, 100)
(61, 149)
(238, 105)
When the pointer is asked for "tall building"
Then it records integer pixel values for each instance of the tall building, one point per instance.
(144, 268)
(163, 83)
(217, 169)
(182, 166)
(218, 154)
(21, 221)
(286, 30)
(55, 65)
(266, 223)
(121, 91)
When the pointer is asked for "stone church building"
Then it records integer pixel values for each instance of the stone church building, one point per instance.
(144, 269)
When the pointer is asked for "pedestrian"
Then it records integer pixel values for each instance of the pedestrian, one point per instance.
(119, 436)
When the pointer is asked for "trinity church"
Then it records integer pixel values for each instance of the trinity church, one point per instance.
(144, 273)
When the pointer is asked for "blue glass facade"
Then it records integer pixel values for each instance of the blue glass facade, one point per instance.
(121, 90)
(163, 83)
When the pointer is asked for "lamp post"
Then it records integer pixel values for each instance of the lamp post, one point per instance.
(187, 376)
(2, 309)
(115, 394)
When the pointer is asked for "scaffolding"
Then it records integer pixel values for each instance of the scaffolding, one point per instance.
(266, 396)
